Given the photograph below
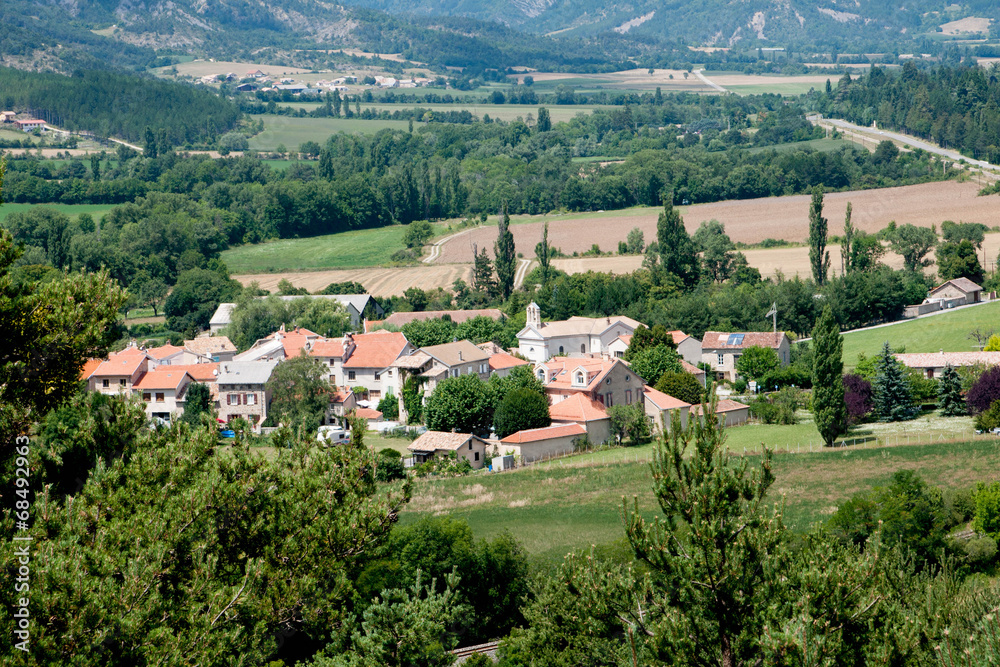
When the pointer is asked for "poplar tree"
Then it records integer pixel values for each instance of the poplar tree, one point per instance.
(893, 398)
(677, 253)
(819, 256)
(950, 400)
(544, 253)
(846, 248)
(829, 406)
(505, 257)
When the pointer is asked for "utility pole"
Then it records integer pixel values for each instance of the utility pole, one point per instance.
(773, 313)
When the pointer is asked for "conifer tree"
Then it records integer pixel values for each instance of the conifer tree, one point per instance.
(677, 254)
(893, 397)
(829, 406)
(950, 400)
(846, 250)
(819, 257)
(505, 256)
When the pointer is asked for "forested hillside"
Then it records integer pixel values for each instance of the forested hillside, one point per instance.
(799, 23)
(954, 107)
(119, 105)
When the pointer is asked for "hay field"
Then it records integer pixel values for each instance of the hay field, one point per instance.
(968, 25)
(378, 282)
(200, 68)
(292, 132)
(634, 79)
(749, 220)
(505, 112)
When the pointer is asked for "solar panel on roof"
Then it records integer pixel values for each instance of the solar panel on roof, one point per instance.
(735, 339)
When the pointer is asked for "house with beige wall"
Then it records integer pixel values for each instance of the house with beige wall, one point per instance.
(660, 408)
(537, 444)
(243, 392)
(722, 350)
(578, 336)
(120, 372)
(161, 392)
(608, 381)
(588, 413)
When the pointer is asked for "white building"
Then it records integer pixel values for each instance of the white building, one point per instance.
(576, 337)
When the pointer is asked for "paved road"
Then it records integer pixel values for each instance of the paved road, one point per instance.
(909, 141)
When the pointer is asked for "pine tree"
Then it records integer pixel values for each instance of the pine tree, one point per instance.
(829, 406)
(819, 257)
(893, 397)
(677, 253)
(950, 399)
(482, 273)
(505, 256)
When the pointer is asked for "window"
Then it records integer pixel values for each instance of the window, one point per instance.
(628, 397)
(122, 382)
(470, 370)
(351, 375)
(106, 383)
(930, 373)
(251, 399)
(721, 359)
(470, 444)
(541, 374)
(583, 348)
(159, 397)
(389, 373)
(483, 368)
(619, 354)
(477, 456)
(578, 378)
(377, 377)
(561, 350)
(145, 396)
(454, 372)
(608, 400)
(608, 381)
(628, 378)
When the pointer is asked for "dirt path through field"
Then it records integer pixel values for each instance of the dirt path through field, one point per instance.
(752, 220)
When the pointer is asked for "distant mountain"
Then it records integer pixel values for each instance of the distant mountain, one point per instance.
(716, 22)
(68, 34)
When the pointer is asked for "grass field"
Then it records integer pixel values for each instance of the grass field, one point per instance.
(822, 145)
(72, 210)
(361, 248)
(553, 510)
(292, 132)
(789, 89)
(948, 331)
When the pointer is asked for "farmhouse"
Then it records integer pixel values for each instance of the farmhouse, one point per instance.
(957, 289)
(438, 443)
(30, 124)
(588, 413)
(162, 390)
(932, 364)
(541, 443)
(660, 409)
(722, 350)
(7, 116)
(606, 381)
(577, 336)
(120, 373)
(729, 412)
(242, 390)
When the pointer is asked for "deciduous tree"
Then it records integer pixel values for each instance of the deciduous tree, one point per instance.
(300, 393)
(829, 407)
(459, 404)
(819, 257)
(519, 410)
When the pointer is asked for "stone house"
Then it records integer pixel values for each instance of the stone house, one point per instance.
(721, 350)
(609, 382)
(588, 413)
(660, 409)
(542, 443)
(242, 390)
(438, 443)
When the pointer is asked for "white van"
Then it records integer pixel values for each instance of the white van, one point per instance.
(333, 435)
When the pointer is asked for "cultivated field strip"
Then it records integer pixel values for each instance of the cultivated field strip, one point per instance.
(378, 281)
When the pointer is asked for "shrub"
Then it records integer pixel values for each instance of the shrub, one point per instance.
(986, 520)
(787, 376)
(984, 391)
(989, 419)
(390, 466)
(389, 407)
(858, 396)
(979, 551)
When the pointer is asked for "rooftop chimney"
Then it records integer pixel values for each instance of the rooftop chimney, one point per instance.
(460, 355)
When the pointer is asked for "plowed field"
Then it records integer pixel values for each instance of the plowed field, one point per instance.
(378, 282)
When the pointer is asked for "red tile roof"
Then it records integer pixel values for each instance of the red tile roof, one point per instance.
(125, 362)
(560, 372)
(725, 405)
(663, 401)
(547, 433)
(377, 349)
(502, 360)
(163, 351)
(327, 348)
(718, 340)
(162, 379)
(942, 359)
(89, 367)
(679, 336)
(199, 372)
(368, 413)
(294, 341)
(578, 408)
(691, 368)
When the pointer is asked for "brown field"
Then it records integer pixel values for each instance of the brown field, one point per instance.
(201, 68)
(750, 220)
(632, 78)
(969, 25)
(769, 261)
(378, 282)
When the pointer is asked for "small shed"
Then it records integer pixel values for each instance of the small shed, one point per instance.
(540, 443)
(435, 443)
(729, 412)
(957, 288)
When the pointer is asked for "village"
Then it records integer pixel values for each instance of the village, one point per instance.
(579, 361)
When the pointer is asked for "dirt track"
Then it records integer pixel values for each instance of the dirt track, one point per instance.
(753, 220)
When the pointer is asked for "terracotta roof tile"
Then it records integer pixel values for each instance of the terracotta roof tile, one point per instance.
(327, 348)
(162, 379)
(547, 433)
(209, 345)
(663, 401)
(368, 413)
(89, 367)
(942, 359)
(691, 368)
(163, 351)
(502, 360)
(200, 372)
(719, 340)
(125, 362)
(377, 349)
(725, 405)
(578, 408)
(963, 284)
